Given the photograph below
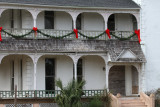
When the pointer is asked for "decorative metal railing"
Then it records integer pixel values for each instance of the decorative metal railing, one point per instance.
(44, 93)
(65, 34)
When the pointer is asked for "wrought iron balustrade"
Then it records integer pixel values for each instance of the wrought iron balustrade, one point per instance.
(65, 34)
(44, 93)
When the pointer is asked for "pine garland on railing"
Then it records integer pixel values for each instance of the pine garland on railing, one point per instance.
(89, 37)
(17, 36)
(127, 38)
(55, 37)
(67, 35)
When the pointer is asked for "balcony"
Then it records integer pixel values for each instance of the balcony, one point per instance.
(26, 94)
(66, 34)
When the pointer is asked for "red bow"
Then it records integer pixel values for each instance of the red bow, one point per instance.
(35, 30)
(76, 32)
(137, 32)
(108, 33)
(0, 33)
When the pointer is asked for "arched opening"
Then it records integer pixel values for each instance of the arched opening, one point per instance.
(16, 19)
(91, 68)
(122, 22)
(90, 21)
(124, 79)
(57, 20)
(53, 67)
(16, 70)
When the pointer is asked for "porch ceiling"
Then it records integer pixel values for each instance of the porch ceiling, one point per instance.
(113, 47)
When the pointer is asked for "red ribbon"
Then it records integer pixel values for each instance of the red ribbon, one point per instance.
(0, 34)
(35, 30)
(108, 33)
(137, 32)
(76, 32)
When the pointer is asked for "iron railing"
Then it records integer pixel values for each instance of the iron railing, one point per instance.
(60, 33)
(44, 93)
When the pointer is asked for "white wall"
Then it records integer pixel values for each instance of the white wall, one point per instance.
(62, 21)
(27, 20)
(6, 68)
(93, 72)
(63, 69)
(5, 78)
(92, 21)
(150, 34)
(123, 22)
(5, 19)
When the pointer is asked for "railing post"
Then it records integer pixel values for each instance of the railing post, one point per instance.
(35, 93)
(15, 100)
(152, 98)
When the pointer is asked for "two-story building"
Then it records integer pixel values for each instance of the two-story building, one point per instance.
(69, 40)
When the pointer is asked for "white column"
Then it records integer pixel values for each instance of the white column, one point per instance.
(142, 84)
(128, 80)
(74, 15)
(35, 75)
(34, 23)
(74, 23)
(107, 77)
(75, 70)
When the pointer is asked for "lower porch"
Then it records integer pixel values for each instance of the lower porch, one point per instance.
(38, 79)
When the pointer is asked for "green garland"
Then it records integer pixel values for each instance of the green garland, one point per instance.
(69, 34)
(122, 39)
(17, 36)
(88, 37)
(54, 37)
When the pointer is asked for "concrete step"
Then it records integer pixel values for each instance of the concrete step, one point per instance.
(132, 102)
(134, 106)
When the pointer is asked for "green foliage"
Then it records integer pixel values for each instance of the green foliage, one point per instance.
(96, 102)
(70, 95)
(99, 101)
(157, 96)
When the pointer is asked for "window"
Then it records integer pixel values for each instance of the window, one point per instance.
(12, 76)
(79, 70)
(49, 20)
(12, 18)
(134, 23)
(50, 74)
(78, 22)
(111, 23)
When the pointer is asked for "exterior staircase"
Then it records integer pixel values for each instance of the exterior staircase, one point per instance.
(142, 101)
(132, 102)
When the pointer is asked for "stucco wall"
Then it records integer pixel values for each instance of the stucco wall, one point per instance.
(150, 33)
(63, 70)
(123, 22)
(27, 75)
(93, 72)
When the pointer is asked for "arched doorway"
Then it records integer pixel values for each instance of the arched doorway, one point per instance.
(16, 70)
(16, 18)
(124, 79)
(57, 20)
(90, 21)
(122, 22)
(91, 68)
